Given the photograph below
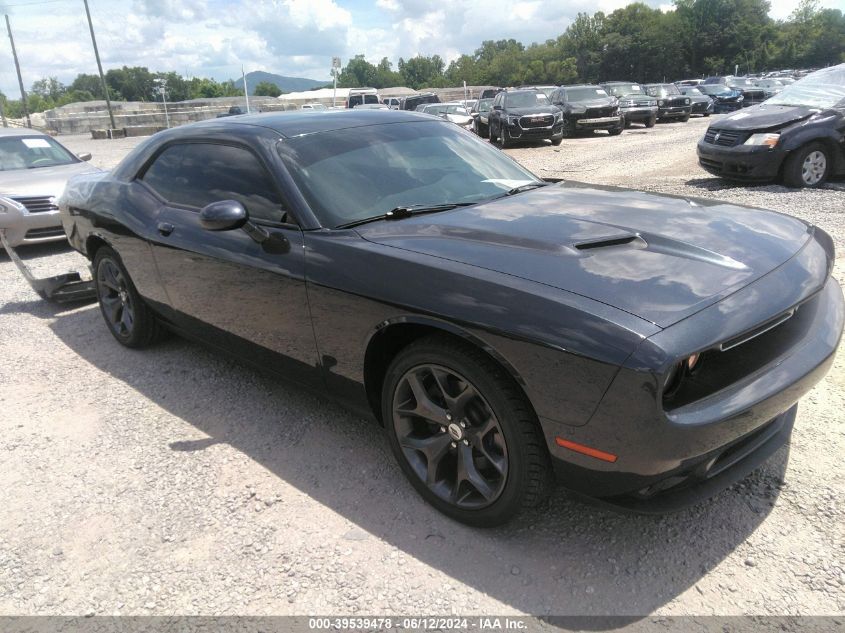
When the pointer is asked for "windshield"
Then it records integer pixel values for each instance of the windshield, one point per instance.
(525, 99)
(821, 89)
(738, 81)
(484, 105)
(587, 93)
(692, 91)
(32, 152)
(362, 172)
(457, 109)
(434, 109)
(625, 90)
(663, 90)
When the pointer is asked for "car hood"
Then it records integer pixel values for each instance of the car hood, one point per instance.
(43, 181)
(764, 116)
(659, 257)
(602, 102)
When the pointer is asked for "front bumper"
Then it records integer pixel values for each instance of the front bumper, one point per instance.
(639, 114)
(23, 227)
(741, 162)
(600, 123)
(673, 112)
(702, 446)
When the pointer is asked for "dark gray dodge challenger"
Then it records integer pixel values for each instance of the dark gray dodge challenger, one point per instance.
(648, 350)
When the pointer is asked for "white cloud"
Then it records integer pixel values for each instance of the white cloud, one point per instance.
(291, 37)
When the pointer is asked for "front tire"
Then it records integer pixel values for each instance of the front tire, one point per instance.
(684, 118)
(808, 166)
(128, 318)
(651, 121)
(504, 138)
(463, 433)
(616, 131)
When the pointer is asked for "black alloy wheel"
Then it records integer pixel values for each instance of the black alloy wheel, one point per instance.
(118, 307)
(128, 318)
(463, 433)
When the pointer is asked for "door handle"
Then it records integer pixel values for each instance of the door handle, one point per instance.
(165, 228)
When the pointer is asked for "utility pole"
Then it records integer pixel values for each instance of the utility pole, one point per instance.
(3, 115)
(246, 92)
(20, 79)
(162, 87)
(335, 70)
(99, 65)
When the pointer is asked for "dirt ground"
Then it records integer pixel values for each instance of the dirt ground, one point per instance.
(175, 481)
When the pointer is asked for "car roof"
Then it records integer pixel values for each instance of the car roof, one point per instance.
(297, 123)
(19, 131)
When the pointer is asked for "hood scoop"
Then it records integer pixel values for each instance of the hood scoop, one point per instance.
(609, 242)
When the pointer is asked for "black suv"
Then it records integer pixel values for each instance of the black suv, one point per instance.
(671, 104)
(635, 105)
(412, 102)
(798, 134)
(524, 115)
(588, 108)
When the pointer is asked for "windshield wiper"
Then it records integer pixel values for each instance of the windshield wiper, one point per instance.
(521, 188)
(400, 213)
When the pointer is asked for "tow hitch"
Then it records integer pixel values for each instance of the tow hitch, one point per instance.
(61, 288)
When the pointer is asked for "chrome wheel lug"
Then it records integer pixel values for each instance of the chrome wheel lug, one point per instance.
(449, 416)
(466, 442)
(454, 445)
(463, 425)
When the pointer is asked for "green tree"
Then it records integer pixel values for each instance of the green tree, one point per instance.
(267, 89)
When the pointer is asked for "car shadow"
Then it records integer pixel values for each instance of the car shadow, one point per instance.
(722, 184)
(566, 558)
(34, 251)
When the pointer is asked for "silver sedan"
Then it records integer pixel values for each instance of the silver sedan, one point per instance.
(34, 168)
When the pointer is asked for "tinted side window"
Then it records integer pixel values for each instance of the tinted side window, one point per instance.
(163, 175)
(198, 174)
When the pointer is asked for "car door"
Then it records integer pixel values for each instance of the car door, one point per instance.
(223, 286)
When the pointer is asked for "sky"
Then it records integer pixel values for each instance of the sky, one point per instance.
(213, 38)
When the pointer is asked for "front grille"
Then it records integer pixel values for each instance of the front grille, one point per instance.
(595, 113)
(540, 120)
(37, 204)
(675, 102)
(643, 103)
(52, 231)
(725, 138)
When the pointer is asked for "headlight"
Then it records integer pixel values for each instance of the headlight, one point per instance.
(740, 98)
(661, 102)
(686, 101)
(558, 115)
(763, 138)
(7, 205)
(513, 120)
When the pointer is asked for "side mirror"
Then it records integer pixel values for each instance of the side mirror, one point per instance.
(84, 156)
(223, 216)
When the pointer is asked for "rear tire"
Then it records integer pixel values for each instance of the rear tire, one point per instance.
(463, 433)
(127, 317)
(808, 166)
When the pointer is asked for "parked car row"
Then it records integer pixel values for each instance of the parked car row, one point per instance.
(797, 135)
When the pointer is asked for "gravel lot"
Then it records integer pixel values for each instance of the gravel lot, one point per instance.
(177, 481)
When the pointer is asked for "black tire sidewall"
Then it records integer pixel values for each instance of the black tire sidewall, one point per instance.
(792, 168)
(143, 327)
(489, 386)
